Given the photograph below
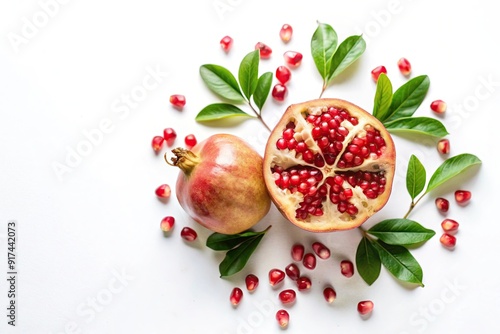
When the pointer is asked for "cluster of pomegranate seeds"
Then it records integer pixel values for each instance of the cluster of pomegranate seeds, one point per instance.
(163, 191)
(283, 318)
(226, 43)
(293, 58)
(188, 234)
(438, 106)
(251, 282)
(347, 268)
(286, 33)
(236, 296)
(442, 204)
(167, 224)
(443, 146)
(190, 141)
(157, 143)
(178, 101)
(404, 66)
(365, 307)
(377, 71)
(264, 50)
(462, 196)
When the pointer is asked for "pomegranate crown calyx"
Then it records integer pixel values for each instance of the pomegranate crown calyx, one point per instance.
(184, 159)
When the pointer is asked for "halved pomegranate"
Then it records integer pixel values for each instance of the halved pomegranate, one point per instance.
(329, 165)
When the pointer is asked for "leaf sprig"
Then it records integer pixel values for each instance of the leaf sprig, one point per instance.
(249, 88)
(239, 247)
(331, 60)
(386, 243)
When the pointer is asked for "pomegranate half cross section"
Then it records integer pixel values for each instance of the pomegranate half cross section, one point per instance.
(329, 165)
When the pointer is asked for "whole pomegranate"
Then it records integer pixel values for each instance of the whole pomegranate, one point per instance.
(221, 185)
(329, 165)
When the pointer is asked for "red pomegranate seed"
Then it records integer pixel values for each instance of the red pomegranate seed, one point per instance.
(167, 223)
(404, 66)
(443, 146)
(252, 282)
(377, 71)
(297, 252)
(287, 296)
(321, 250)
(286, 33)
(304, 283)
(309, 261)
(157, 143)
(462, 196)
(448, 240)
(449, 225)
(169, 134)
(365, 307)
(236, 296)
(347, 268)
(188, 234)
(279, 92)
(226, 43)
(283, 74)
(163, 191)
(292, 271)
(276, 276)
(283, 318)
(293, 58)
(329, 294)
(264, 50)
(438, 106)
(178, 100)
(442, 204)
(190, 141)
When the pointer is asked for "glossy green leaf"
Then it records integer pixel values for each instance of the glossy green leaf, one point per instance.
(347, 53)
(368, 261)
(417, 125)
(218, 111)
(401, 232)
(399, 262)
(237, 258)
(450, 168)
(222, 82)
(408, 98)
(415, 177)
(383, 97)
(323, 45)
(224, 242)
(248, 73)
(263, 88)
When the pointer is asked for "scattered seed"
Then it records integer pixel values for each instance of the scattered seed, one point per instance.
(226, 43)
(329, 294)
(283, 74)
(264, 50)
(463, 196)
(365, 307)
(188, 234)
(190, 141)
(449, 225)
(303, 283)
(178, 100)
(377, 71)
(293, 58)
(279, 92)
(321, 250)
(438, 106)
(167, 223)
(169, 134)
(443, 146)
(283, 318)
(292, 271)
(157, 143)
(442, 204)
(404, 66)
(347, 268)
(163, 191)
(297, 252)
(252, 282)
(287, 296)
(286, 33)
(309, 261)
(276, 276)
(236, 296)
(448, 240)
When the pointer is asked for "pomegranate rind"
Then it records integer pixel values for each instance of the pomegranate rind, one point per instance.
(332, 220)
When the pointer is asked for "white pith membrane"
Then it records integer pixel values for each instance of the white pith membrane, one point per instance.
(377, 167)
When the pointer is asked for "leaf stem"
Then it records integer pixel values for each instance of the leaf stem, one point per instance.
(259, 116)
(325, 86)
(412, 206)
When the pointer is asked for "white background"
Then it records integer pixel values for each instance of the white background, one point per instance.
(91, 256)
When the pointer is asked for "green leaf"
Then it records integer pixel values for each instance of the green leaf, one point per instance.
(400, 263)
(368, 261)
(323, 46)
(237, 258)
(383, 97)
(218, 111)
(248, 73)
(450, 168)
(347, 53)
(408, 98)
(401, 232)
(222, 82)
(417, 125)
(263, 88)
(415, 177)
(224, 242)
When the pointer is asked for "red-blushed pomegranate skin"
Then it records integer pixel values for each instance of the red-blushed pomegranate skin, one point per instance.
(225, 192)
